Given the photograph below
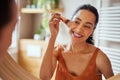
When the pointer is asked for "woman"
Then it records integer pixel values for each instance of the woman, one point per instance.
(81, 60)
(9, 69)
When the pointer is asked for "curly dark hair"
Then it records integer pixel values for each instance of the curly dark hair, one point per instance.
(5, 12)
(95, 12)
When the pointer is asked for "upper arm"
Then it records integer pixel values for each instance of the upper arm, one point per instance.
(104, 65)
(48, 65)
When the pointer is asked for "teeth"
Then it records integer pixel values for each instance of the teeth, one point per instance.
(77, 35)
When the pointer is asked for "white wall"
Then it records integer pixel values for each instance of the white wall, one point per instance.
(109, 43)
(71, 5)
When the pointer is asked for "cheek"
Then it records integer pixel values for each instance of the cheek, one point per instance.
(13, 25)
(88, 33)
(71, 29)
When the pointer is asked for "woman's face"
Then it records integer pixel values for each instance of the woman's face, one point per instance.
(83, 25)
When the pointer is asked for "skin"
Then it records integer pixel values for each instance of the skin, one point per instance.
(6, 32)
(80, 52)
(9, 69)
(116, 77)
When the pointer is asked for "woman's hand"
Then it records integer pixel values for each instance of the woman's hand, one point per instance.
(54, 24)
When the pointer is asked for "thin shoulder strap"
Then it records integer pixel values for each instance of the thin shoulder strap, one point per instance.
(60, 57)
(94, 55)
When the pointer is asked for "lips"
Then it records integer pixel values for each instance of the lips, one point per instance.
(77, 35)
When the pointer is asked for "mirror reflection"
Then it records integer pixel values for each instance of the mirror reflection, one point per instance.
(45, 28)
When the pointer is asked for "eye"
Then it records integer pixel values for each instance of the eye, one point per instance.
(87, 26)
(76, 22)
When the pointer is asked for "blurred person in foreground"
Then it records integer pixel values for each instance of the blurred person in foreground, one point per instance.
(9, 69)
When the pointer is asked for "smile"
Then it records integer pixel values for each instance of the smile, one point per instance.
(77, 35)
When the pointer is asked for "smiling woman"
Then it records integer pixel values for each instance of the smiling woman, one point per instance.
(80, 59)
(9, 69)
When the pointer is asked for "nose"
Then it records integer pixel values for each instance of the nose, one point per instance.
(79, 28)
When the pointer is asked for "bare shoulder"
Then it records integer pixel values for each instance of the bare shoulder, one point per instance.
(104, 64)
(102, 58)
(101, 55)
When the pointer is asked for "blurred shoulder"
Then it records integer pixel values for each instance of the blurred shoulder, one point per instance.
(103, 62)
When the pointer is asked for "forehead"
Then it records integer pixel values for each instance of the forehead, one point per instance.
(85, 15)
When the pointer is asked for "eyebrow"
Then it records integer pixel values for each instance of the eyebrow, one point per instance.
(78, 19)
(86, 22)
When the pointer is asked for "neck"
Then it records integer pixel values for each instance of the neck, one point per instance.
(80, 48)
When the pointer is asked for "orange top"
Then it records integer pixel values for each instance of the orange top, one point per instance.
(90, 73)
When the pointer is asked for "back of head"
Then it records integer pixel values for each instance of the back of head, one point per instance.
(5, 12)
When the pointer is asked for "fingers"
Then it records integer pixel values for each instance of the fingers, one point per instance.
(54, 21)
(63, 19)
(56, 17)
